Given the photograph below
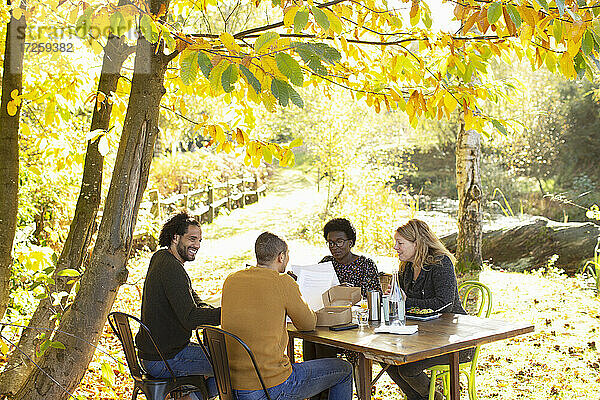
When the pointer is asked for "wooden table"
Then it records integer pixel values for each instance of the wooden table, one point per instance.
(448, 334)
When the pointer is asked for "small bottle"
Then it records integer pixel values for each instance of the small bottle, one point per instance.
(397, 302)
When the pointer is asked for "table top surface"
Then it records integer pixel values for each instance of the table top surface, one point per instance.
(449, 333)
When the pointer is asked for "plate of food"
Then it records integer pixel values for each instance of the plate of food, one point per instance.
(421, 314)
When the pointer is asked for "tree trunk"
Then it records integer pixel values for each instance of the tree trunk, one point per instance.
(531, 244)
(9, 150)
(468, 183)
(82, 226)
(107, 269)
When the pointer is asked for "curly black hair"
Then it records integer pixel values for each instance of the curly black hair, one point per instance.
(176, 225)
(340, 225)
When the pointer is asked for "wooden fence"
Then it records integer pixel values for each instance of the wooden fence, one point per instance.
(204, 203)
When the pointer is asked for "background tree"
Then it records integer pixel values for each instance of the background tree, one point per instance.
(10, 111)
(81, 231)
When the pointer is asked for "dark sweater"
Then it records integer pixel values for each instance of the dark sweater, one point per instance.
(170, 308)
(434, 288)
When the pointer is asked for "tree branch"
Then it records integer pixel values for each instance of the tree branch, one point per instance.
(243, 34)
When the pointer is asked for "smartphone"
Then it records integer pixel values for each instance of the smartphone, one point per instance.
(343, 327)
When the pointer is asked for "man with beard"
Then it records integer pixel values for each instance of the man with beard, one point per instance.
(171, 309)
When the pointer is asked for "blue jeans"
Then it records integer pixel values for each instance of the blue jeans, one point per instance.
(307, 379)
(189, 361)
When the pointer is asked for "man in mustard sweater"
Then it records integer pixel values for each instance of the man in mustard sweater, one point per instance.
(254, 306)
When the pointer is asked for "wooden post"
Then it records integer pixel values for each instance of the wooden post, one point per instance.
(229, 205)
(185, 188)
(318, 178)
(243, 199)
(211, 208)
(255, 186)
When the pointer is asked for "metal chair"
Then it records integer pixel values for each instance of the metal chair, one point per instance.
(153, 388)
(214, 339)
(483, 307)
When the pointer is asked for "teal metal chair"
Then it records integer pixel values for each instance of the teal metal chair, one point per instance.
(469, 369)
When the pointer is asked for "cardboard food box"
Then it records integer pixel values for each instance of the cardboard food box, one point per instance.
(338, 302)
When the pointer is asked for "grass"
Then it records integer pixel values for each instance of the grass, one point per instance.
(558, 361)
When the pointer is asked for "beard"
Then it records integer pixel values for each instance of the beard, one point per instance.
(183, 252)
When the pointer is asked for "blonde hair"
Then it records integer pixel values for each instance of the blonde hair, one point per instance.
(429, 249)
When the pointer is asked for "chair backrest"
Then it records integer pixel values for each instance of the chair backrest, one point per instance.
(214, 338)
(119, 322)
(483, 296)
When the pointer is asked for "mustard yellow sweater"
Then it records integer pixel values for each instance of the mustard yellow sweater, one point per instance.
(254, 305)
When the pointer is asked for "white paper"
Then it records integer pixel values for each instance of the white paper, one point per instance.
(314, 280)
(397, 329)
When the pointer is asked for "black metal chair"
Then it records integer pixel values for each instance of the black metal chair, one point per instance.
(214, 339)
(153, 388)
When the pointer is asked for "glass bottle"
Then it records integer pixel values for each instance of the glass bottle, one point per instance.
(397, 301)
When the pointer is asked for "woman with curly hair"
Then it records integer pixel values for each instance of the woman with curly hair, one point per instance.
(351, 269)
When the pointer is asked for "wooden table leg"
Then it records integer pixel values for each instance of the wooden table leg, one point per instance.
(290, 349)
(365, 374)
(454, 376)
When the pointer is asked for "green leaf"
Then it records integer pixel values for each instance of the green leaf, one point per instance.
(57, 345)
(279, 89)
(426, 18)
(557, 30)
(265, 40)
(215, 75)
(169, 41)
(321, 18)
(146, 27)
(587, 43)
(311, 59)
(83, 23)
(494, 13)
(69, 272)
(189, 68)
(514, 15)
(300, 20)
(296, 142)
(327, 53)
(255, 83)
(543, 4)
(149, 29)
(43, 347)
(204, 64)
(118, 26)
(295, 97)
(498, 125)
(267, 155)
(561, 6)
(229, 77)
(108, 376)
(290, 68)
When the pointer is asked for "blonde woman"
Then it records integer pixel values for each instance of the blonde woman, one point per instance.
(427, 277)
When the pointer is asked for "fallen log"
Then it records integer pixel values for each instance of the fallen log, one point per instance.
(531, 244)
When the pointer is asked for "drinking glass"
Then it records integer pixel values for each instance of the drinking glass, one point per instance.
(363, 313)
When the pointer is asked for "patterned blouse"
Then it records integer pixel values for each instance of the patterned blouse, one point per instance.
(362, 273)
